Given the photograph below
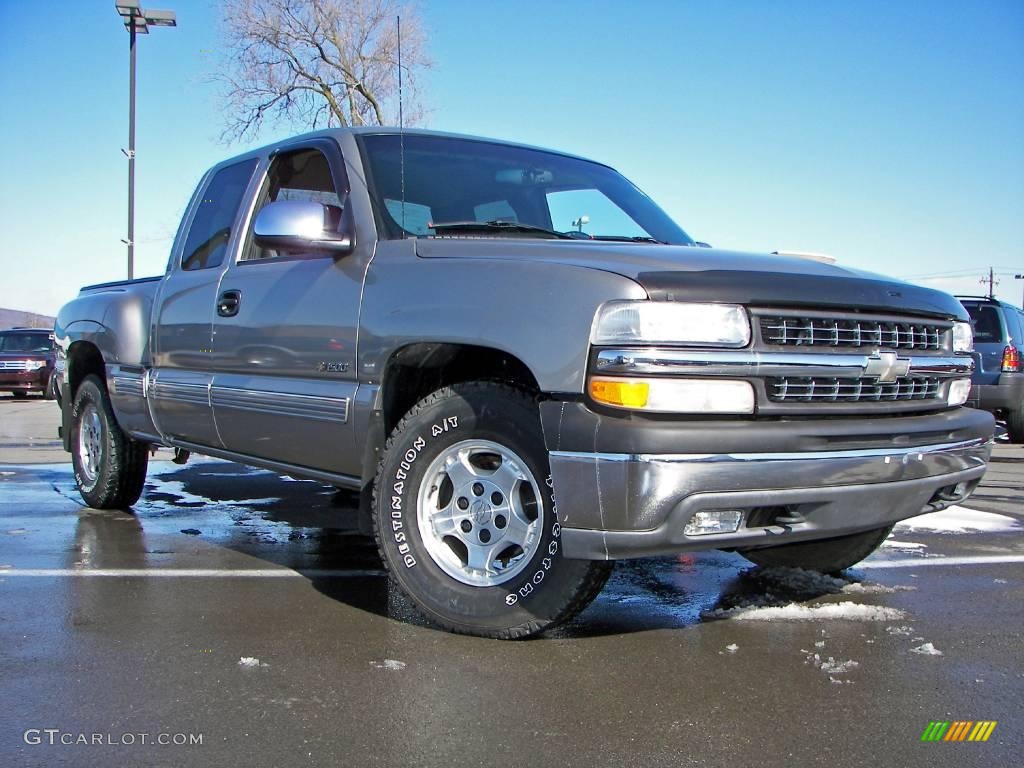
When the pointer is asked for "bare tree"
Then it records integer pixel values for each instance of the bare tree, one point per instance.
(318, 63)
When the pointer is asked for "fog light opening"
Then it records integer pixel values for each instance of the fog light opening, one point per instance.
(713, 521)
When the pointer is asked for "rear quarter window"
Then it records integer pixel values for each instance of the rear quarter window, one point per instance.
(985, 321)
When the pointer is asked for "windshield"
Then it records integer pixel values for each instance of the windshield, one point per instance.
(28, 343)
(449, 180)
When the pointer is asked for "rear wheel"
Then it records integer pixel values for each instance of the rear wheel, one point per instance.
(110, 467)
(465, 518)
(828, 556)
(1015, 424)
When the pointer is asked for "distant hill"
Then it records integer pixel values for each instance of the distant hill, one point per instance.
(15, 317)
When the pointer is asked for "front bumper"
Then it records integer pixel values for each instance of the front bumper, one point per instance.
(823, 478)
(24, 381)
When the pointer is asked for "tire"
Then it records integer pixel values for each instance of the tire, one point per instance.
(1015, 424)
(827, 556)
(20, 394)
(50, 393)
(110, 467)
(518, 584)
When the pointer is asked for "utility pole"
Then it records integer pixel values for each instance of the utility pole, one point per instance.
(992, 283)
(1020, 277)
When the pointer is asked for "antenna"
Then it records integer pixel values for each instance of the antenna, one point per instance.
(401, 121)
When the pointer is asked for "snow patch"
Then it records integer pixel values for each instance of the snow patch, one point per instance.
(846, 610)
(927, 650)
(391, 664)
(958, 519)
(904, 630)
(732, 648)
(858, 588)
(833, 667)
(250, 662)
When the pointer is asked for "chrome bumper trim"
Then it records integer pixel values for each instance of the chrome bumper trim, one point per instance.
(755, 364)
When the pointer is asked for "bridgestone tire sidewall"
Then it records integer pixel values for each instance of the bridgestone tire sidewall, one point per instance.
(541, 591)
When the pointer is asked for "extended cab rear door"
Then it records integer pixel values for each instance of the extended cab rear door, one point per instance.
(284, 348)
(182, 332)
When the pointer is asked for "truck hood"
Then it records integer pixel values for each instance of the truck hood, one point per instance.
(686, 273)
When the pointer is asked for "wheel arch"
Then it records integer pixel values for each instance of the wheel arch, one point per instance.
(83, 358)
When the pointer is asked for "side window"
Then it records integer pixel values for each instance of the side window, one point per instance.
(301, 175)
(590, 211)
(210, 230)
(1015, 319)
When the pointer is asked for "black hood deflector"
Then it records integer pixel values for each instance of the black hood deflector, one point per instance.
(796, 290)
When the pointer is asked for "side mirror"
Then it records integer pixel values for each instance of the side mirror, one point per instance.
(304, 225)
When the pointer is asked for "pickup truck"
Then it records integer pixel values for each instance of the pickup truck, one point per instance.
(526, 368)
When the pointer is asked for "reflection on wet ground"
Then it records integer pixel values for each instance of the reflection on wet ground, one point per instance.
(663, 669)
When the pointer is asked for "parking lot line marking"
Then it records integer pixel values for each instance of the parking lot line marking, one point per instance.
(927, 562)
(338, 573)
(215, 573)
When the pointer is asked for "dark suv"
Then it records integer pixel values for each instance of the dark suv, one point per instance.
(998, 381)
(27, 359)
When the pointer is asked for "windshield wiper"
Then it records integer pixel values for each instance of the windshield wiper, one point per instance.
(496, 226)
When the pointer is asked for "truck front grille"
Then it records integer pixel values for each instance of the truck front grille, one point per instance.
(850, 332)
(791, 389)
(13, 365)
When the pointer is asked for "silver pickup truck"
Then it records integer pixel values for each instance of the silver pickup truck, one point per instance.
(526, 367)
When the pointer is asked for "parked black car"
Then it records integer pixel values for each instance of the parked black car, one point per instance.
(998, 380)
(27, 360)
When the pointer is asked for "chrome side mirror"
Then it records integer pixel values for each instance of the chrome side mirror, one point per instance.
(304, 225)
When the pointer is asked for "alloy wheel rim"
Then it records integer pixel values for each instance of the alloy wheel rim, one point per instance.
(480, 513)
(90, 443)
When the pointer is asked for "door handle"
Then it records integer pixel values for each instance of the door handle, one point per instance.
(228, 303)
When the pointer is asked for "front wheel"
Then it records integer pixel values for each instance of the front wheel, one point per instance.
(465, 518)
(110, 467)
(827, 556)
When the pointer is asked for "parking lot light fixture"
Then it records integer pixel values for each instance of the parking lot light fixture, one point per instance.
(136, 21)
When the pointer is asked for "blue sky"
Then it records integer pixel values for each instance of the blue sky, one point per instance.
(890, 135)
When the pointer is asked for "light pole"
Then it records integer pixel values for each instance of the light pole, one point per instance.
(136, 21)
(1020, 277)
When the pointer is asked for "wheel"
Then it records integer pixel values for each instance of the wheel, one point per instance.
(827, 556)
(1015, 424)
(50, 393)
(465, 520)
(110, 467)
(20, 394)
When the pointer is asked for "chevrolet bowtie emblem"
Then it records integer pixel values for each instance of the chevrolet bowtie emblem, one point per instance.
(886, 366)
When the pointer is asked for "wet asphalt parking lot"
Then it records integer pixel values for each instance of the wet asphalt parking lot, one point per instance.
(243, 607)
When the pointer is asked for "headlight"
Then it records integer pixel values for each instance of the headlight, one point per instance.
(675, 395)
(963, 337)
(667, 322)
(35, 365)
